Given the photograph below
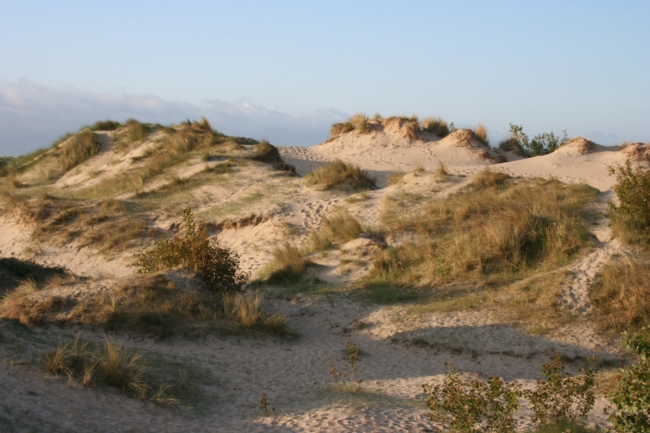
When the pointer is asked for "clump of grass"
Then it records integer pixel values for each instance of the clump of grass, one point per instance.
(339, 174)
(107, 365)
(247, 309)
(492, 229)
(359, 122)
(489, 178)
(131, 133)
(106, 125)
(436, 126)
(217, 266)
(267, 153)
(410, 126)
(621, 294)
(338, 227)
(340, 129)
(78, 149)
(289, 265)
(481, 133)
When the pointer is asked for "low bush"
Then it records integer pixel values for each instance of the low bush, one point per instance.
(561, 396)
(541, 144)
(631, 397)
(436, 126)
(339, 174)
(469, 406)
(217, 266)
(78, 149)
(631, 217)
(560, 400)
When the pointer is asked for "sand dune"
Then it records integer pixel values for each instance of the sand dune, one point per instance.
(254, 209)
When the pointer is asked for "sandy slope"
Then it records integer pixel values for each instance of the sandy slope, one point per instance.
(295, 373)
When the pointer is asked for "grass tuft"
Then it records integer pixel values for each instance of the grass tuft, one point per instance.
(621, 294)
(105, 125)
(481, 133)
(436, 126)
(289, 265)
(78, 149)
(340, 174)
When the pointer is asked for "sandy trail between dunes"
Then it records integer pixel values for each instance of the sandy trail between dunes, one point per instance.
(295, 375)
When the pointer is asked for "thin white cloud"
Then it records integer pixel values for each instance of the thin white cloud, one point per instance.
(32, 116)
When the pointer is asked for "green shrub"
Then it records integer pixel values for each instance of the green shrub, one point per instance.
(217, 266)
(631, 398)
(78, 149)
(562, 396)
(473, 405)
(631, 218)
(541, 144)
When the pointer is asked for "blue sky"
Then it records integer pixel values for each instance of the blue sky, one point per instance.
(286, 70)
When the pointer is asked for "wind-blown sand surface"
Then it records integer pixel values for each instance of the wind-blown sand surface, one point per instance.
(235, 370)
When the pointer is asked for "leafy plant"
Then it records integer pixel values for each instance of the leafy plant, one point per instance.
(473, 405)
(562, 396)
(631, 398)
(631, 218)
(217, 266)
(541, 144)
(350, 370)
